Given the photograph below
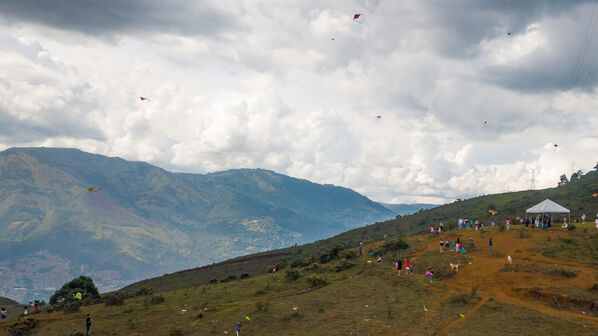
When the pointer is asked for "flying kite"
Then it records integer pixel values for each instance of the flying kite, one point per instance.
(91, 189)
(78, 295)
(425, 309)
(493, 212)
(595, 195)
(143, 98)
(378, 117)
(247, 318)
(485, 122)
(332, 39)
(509, 33)
(358, 18)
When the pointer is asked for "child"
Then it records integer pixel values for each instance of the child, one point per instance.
(238, 327)
(490, 244)
(399, 266)
(441, 244)
(432, 272)
(88, 322)
(407, 267)
(3, 314)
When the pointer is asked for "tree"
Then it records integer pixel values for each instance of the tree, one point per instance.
(67, 292)
(563, 181)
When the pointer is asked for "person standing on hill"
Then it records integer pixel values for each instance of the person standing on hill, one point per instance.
(399, 267)
(492, 221)
(508, 224)
(407, 266)
(238, 328)
(471, 242)
(88, 322)
(441, 244)
(360, 249)
(3, 314)
(490, 244)
(583, 219)
(596, 221)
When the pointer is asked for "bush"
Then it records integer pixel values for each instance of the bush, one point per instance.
(144, 291)
(563, 272)
(71, 307)
(348, 254)
(114, 299)
(22, 328)
(593, 288)
(343, 265)
(302, 262)
(259, 292)
(245, 276)
(155, 300)
(571, 227)
(213, 281)
(229, 278)
(67, 292)
(394, 244)
(175, 332)
(316, 281)
(292, 275)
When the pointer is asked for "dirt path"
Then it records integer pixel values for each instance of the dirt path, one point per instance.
(456, 321)
(484, 271)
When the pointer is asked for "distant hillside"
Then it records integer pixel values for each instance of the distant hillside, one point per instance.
(576, 196)
(407, 209)
(141, 220)
(7, 302)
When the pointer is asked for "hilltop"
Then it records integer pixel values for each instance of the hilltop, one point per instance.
(140, 220)
(577, 196)
(349, 294)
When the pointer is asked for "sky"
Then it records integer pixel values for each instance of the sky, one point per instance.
(422, 101)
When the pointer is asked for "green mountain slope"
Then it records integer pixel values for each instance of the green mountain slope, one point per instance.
(141, 220)
(407, 209)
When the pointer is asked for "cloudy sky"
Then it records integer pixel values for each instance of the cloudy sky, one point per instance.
(296, 87)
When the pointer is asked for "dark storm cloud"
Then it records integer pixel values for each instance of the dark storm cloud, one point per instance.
(461, 25)
(121, 16)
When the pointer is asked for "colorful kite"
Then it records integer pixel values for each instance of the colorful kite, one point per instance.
(595, 195)
(143, 98)
(358, 18)
(378, 117)
(493, 212)
(91, 189)
(78, 295)
(247, 318)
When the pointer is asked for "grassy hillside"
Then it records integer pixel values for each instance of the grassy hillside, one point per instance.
(357, 295)
(7, 302)
(576, 196)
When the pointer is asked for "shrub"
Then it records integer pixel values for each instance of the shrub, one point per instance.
(213, 281)
(259, 292)
(394, 244)
(22, 328)
(245, 276)
(563, 272)
(71, 307)
(348, 254)
(593, 288)
(316, 281)
(343, 265)
(302, 262)
(571, 227)
(175, 332)
(229, 278)
(292, 275)
(67, 292)
(144, 291)
(154, 300)
(114, 299)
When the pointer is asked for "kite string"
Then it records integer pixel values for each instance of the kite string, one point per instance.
(583, 49)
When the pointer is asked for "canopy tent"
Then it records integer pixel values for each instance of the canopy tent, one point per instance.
(547, 206)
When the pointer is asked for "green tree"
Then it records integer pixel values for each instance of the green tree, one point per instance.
(67, 292)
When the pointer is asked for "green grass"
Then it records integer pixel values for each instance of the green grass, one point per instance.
(579, 247)
(496, 318)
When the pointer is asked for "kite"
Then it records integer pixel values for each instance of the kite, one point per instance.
(91, 189)
(247, 318)
(378, 117)
(493, 212)
(595, 195)
(358, 18)
(332, 39)
(78, 295)
(425, 309)
(143, 98)
(509, 33)
(485, 122)
(461, 315)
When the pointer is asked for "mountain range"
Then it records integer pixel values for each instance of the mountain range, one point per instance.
(65, 212)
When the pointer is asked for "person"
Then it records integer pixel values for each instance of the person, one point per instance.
(596, 221)
(274, 269)
(35, 306)
(379, 259)
(508, 224)
(432, 229)
(407, 267)
(385, 235)
(492, 221)
(25, 312)
(490, 244)
(88, 322)
(3, 314)
(583, 218)
(399, 267)
(470, 242)
(432, 272)
(238, 328)
(360, 249)
(565, 221)
(457, 244)
(441, 244)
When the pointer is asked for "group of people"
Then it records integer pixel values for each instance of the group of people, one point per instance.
(437, 230)
(541, 221)
(464, 223)
(457, 244)
(407, 264)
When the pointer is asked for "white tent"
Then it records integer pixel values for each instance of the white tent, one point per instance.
(547, 206)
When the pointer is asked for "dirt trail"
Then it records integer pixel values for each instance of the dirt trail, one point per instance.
(456, 321)
(484, 271)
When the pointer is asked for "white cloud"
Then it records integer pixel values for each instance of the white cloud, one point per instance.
(275, 91)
